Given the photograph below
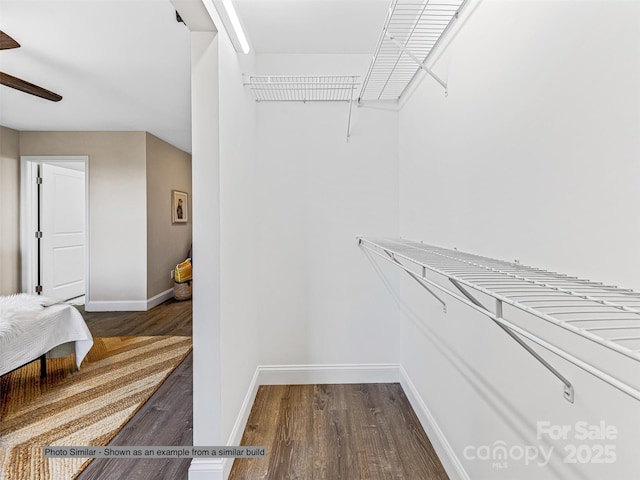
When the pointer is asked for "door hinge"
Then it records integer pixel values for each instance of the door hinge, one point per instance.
(38, 234)
(38, 289)
(39, 180)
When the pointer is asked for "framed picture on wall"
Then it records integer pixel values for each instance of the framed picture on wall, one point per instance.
(179, 207)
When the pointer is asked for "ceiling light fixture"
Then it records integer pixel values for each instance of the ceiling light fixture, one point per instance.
(237, 27)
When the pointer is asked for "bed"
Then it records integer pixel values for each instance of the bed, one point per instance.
(33, 327)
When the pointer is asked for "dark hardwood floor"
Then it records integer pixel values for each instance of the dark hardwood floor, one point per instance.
(167, 418)
(337, 432)
(170, 318)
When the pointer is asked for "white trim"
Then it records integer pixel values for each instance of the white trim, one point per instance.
(245, 409)
(310, 374)
(206, 469)
(116, 306)
(443, 448)
(241, 421)
(128, 305)
(28, 221)
(160, 298)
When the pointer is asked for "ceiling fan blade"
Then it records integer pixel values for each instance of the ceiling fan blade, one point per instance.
(24, 86)
(6, 42)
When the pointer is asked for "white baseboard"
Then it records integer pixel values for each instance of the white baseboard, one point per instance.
(160, 298)
(128, 305)
(116, 306)
(443, 448)
(241, 420)
(309, 374)
(206, 469)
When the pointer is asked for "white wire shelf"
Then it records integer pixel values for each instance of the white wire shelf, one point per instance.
(412, 30)
(324, 88)
(603, 314)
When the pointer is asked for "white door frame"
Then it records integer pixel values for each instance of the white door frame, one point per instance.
(29, 217)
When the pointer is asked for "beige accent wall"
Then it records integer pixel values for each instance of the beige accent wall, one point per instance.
(9, 211)
(168, 168)
(118, 206)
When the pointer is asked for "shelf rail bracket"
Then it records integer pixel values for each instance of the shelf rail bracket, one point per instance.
(420, 282)
(568, 392)
(420, 63)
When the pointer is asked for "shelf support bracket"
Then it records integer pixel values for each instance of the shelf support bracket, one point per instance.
(420, 63)
(568, 391)
(350, 109)
(419, 280)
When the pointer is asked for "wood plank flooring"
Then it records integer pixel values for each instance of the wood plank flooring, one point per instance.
(169, 318)
(337, 432)
(167, 417)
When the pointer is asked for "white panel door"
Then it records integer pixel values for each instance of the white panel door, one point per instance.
(62, 222)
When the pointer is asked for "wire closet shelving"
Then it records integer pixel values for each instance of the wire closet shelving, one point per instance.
(305, 88)
(323, 88)
(411, 32)
(603, 314)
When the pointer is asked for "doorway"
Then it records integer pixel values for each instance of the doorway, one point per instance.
(54, 236)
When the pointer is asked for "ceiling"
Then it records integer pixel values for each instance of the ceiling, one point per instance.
(313, 26)
(119, 65)
(125, 64)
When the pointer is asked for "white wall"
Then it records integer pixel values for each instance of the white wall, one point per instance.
(225, 313)
(238, 233)
(206, 242)
(295, 289)
(320, 301)
(537, 142)
(533, 155)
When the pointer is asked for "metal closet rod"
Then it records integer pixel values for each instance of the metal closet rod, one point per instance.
(568, 392)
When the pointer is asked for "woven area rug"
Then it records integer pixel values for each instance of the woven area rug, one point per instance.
(85, 407)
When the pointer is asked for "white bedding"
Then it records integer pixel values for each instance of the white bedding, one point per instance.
(29, 329)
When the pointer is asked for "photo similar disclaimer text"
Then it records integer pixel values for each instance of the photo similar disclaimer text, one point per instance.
(153, 452)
